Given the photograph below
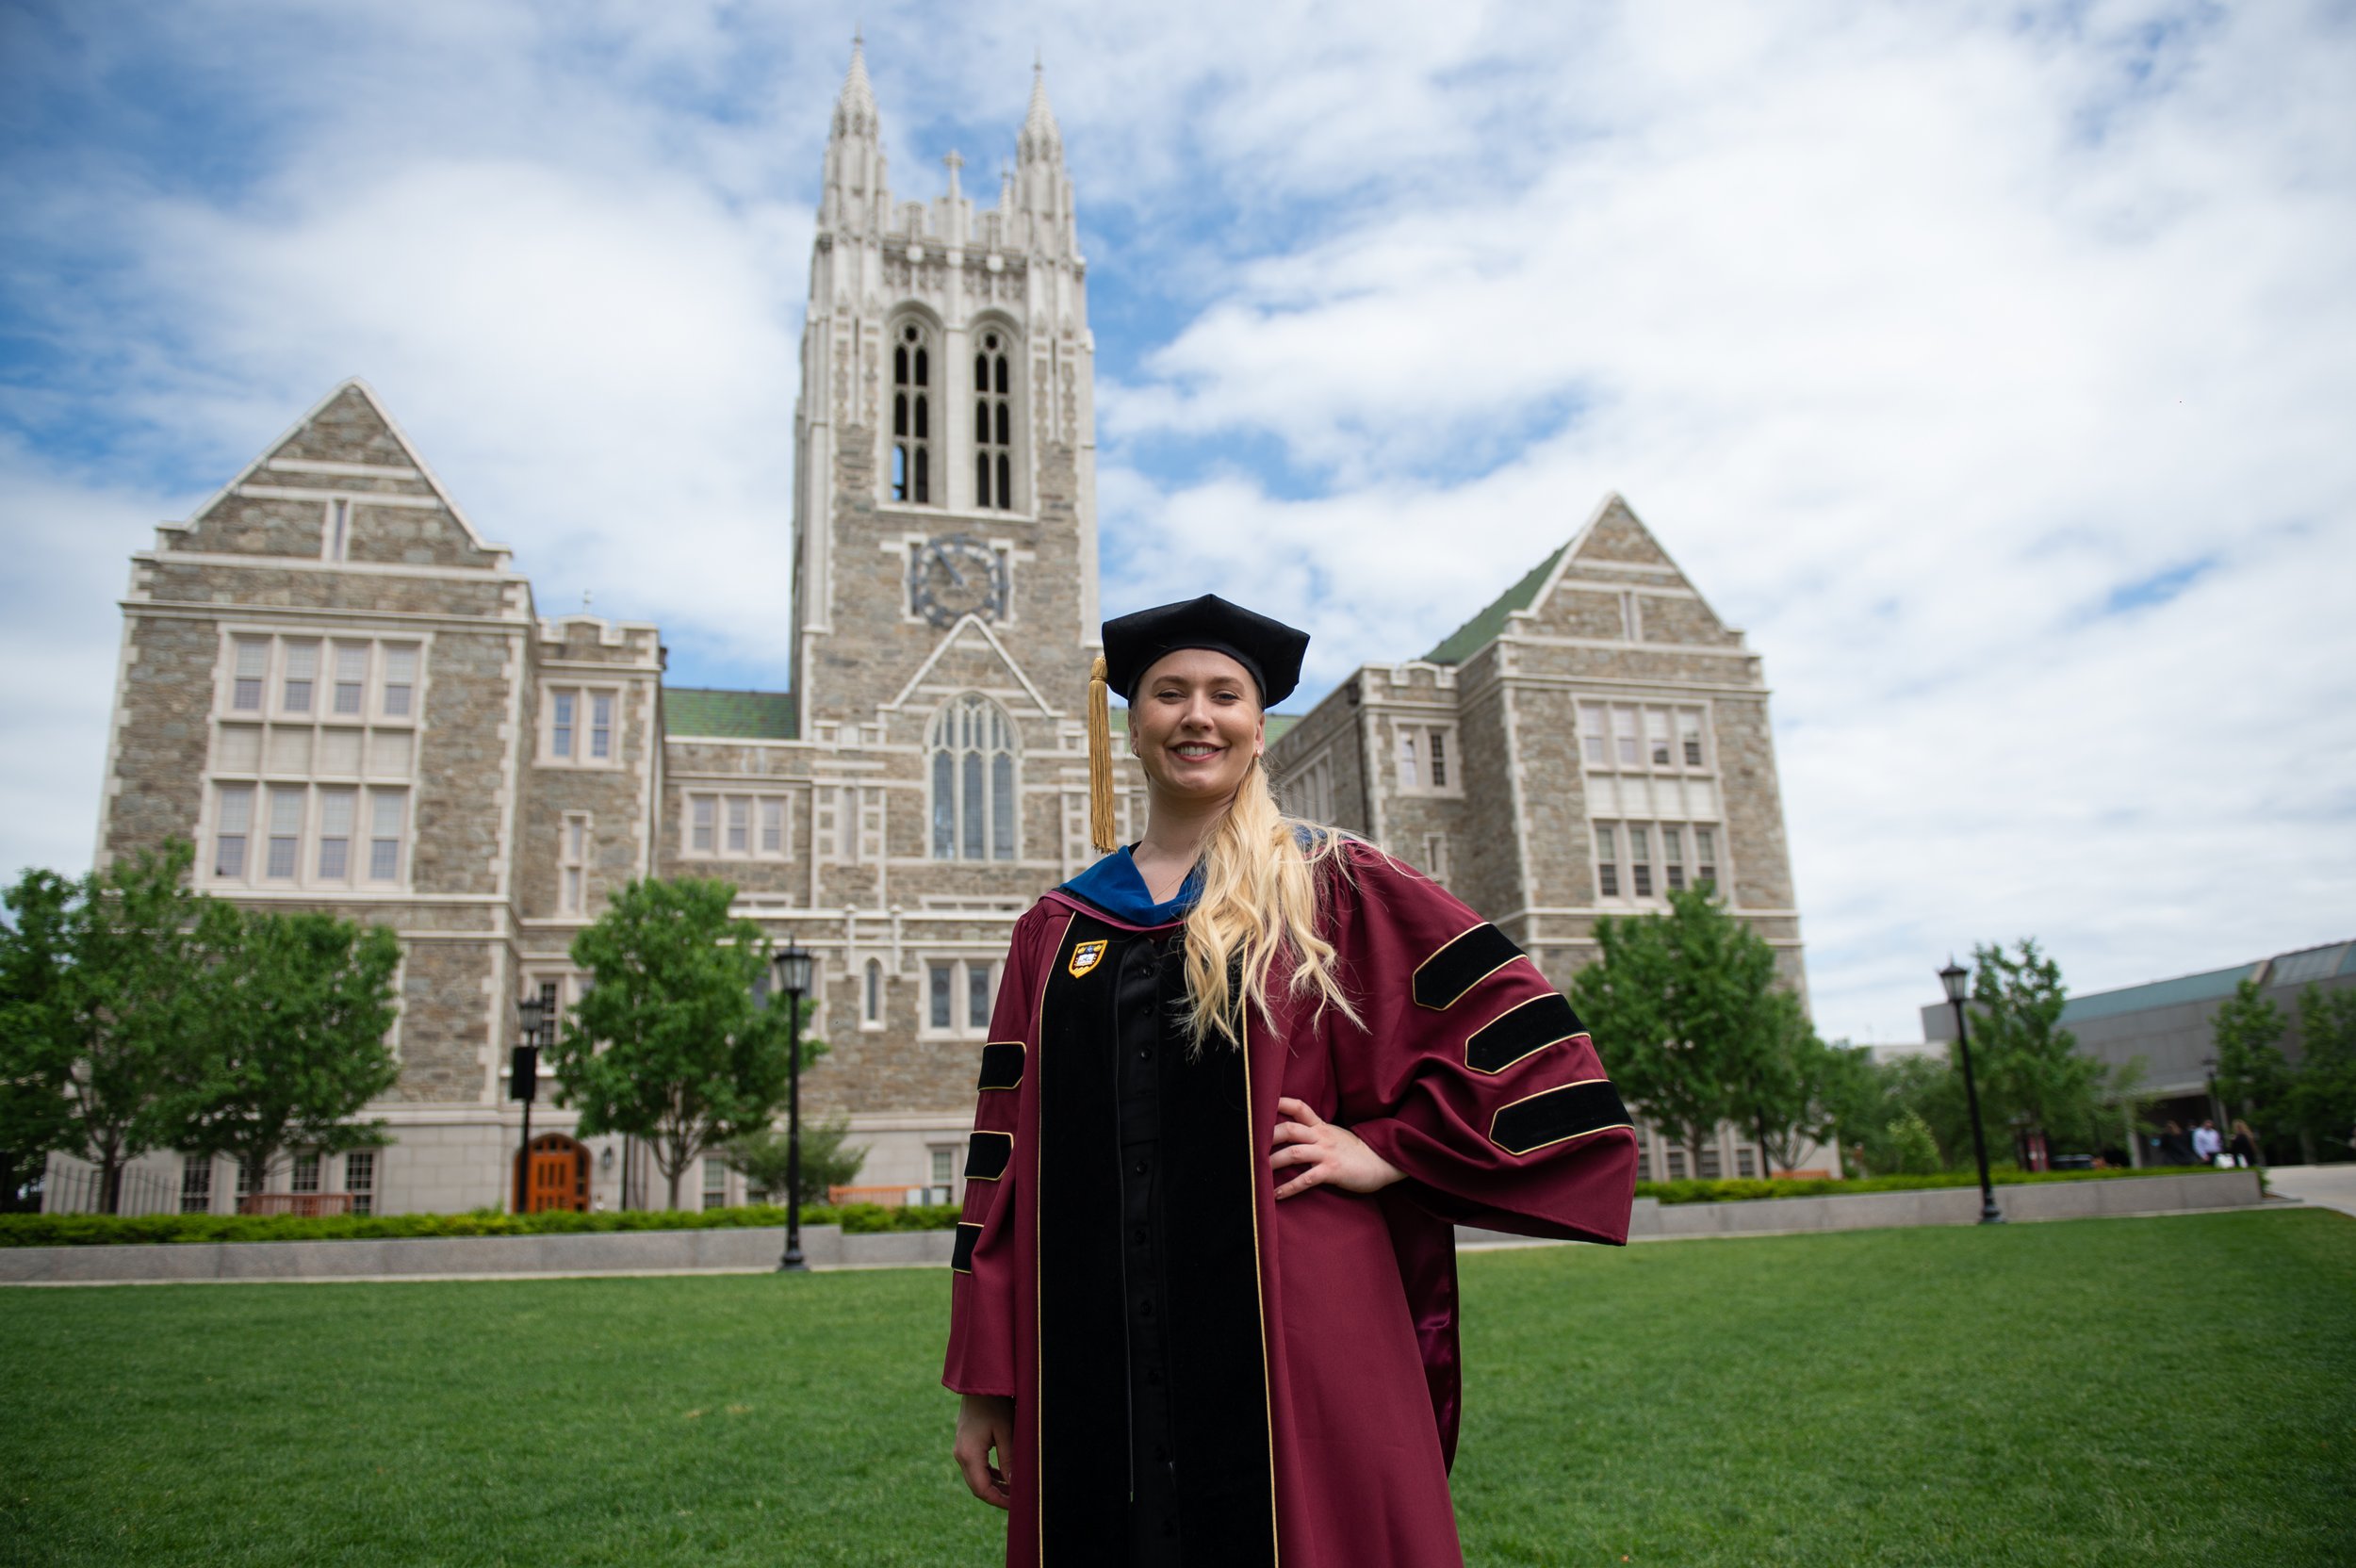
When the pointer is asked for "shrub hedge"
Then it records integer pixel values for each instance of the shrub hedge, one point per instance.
(92, 1230)
(1744, 1189)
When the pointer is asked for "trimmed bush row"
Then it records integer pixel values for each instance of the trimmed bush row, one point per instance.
(1742, 1190)
(92, 1229)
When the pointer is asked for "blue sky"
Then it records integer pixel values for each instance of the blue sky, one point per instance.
(1991, 365)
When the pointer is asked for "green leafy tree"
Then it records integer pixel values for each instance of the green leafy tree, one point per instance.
(1931, 1086)
(107, 1005)
(2254, 1077)
(1853, 1101)
(298, 1005)
(1807, 1087)
(670, 1044)
(2030, 1073)
(36, 1052)
(1913, 1151)
(2323, 1095)
(1630, 999)
(827, 1161)
(1697, 1031)
(1871, 1099)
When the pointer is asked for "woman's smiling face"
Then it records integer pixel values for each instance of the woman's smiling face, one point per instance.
(1195, 723)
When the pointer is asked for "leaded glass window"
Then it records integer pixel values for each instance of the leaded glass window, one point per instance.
(976, 786)
(912, 414)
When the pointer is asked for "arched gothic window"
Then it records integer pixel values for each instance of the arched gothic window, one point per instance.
(974, 799)
(912, 414)
(993, 423)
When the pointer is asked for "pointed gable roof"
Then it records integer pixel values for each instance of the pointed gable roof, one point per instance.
(346, 446)
(1612, 535)
(971, 638)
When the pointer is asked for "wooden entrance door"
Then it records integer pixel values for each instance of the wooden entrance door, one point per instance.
(558, 1177)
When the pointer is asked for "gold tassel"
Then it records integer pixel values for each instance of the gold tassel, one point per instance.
(1101, 825)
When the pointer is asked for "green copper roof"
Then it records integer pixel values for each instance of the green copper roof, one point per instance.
(688, 711)
(2312, 963)
(2207, 986)
(1482, 629)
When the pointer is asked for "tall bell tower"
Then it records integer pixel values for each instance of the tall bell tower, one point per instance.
(944, 437)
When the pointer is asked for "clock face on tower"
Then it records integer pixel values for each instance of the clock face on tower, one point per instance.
(957, 574)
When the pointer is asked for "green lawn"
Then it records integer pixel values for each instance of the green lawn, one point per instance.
(2131, 1392)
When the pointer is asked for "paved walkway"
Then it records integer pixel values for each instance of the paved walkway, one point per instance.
(2326, 1187)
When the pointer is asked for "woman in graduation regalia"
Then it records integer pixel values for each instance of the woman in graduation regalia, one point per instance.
(1242, 1078)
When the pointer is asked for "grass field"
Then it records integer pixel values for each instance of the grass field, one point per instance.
(2129, 1391)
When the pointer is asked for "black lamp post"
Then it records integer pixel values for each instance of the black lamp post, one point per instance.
(1956, 977)
(523, 1083)
(793, 968)
(2208, 1075)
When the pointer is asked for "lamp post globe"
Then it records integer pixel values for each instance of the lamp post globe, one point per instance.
(793, 968)
(1956, 979)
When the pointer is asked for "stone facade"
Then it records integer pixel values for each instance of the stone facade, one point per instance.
(345, 697)
(1593, 738)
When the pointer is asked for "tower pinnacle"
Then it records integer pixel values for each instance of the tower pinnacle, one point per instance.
(1040, 141)
(855, 108)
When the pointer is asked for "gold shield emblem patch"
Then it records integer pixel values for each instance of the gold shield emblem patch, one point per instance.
(1085, 957)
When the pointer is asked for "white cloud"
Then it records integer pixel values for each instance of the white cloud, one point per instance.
(59, 639)
(1912, 376)
(1916, 331)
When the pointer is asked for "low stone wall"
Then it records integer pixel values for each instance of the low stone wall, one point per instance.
(745, 1249)
(754, 1248)
(1654, 1221)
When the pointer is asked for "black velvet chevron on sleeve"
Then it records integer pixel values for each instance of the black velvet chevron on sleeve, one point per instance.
(1002, 1065)
(1464, 963)
(961, 1259)
(1556, 1116)
(1520, 1032)
(986, 1156)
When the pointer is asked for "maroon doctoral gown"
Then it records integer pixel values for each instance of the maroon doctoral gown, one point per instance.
(1201, 1374)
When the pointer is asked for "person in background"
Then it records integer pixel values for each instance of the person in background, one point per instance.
(2174, 1149)
(2245, 1145)
(2206, 1144)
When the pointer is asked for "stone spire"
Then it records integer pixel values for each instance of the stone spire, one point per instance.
(858, 195)
(855, 106)
(1041, 188)
(1040, 141)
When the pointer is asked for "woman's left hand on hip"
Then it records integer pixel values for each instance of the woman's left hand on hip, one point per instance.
(1329, 1154)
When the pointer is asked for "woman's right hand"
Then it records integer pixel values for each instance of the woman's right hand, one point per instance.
(986, 1425)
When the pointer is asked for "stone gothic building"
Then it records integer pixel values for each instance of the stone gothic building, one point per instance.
(336, 687)
(1592, 740)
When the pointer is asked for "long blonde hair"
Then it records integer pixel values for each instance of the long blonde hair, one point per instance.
(1264, 878)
